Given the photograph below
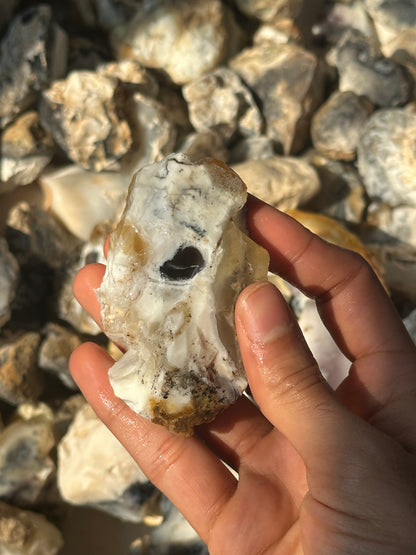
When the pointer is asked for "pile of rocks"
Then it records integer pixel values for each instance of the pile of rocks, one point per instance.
(315, 109)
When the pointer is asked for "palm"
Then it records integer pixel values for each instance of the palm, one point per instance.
(314, 473)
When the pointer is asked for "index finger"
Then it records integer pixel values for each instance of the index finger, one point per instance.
(352, 302)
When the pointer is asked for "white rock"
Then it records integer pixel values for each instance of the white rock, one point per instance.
(27, 533)
(176, 264)
(82, 199)
(95, 469)
(184, 39)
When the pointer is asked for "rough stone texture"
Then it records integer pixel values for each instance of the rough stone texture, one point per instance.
(176, 263)
(27, 533)
(94, 468)
(32, 54)
(280, 31)
(184, 39)
(336, 126)
(26, 148)
(26, 466)
(220, 102)
(36, 236)
(81, 199)
(387, 156)
(391, 17)
(266, 10)
(252, 148)
(84, 113)
(391, 234)
(410, 323)
(339, 17)
(9, 275)
(402, 49)
(342, 195)
(288, 82)
(364, 70)
(133, 75)
(55, 350)
(153, 134)
(20, 378)
(203, 145)
(284, 182)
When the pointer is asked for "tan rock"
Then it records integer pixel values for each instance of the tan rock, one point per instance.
(284, 182)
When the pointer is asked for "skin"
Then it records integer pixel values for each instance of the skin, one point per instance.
(320, 472)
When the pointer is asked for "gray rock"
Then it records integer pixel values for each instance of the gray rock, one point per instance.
(364, 70)
(26, 466)
(284, 182)
(153, 133)
(391, 234)
(410, 323)
(95, 469)
(288, 81)
(387, 156)
(36, 237)
(183, 39)
(202, 145)
(32, 54)
(219, 101)
(27, 533)
(336, 126)
(391, 17)
(84, 114)
(26, 148)
(20, 378)
(55, 350)
(9, 275)
(342, 195)
(338, 17)
(402, 49)
(252, 148)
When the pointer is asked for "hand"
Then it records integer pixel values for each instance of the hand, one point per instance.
(320, 472)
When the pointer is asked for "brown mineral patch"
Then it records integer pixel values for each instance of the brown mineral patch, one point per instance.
(131, 242)
(183, 422)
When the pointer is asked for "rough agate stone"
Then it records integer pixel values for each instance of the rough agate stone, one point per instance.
(176, 263)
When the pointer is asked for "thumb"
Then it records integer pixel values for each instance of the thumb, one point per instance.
(284, 377)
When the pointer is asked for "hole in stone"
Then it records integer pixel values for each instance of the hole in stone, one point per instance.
(185, 264)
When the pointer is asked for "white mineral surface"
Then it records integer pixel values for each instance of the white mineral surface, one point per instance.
(176, 264)
(95, 468)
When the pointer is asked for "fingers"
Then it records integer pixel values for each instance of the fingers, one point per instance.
(283, 374)
(352, 302)
(85, 285)
(183, 468)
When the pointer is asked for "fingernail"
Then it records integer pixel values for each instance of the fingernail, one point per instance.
(265, 315)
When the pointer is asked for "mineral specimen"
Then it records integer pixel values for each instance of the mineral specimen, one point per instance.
(176, 264)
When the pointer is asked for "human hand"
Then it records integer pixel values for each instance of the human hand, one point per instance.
(320, 472)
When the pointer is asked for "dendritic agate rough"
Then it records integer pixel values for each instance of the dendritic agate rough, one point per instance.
(176, 263)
